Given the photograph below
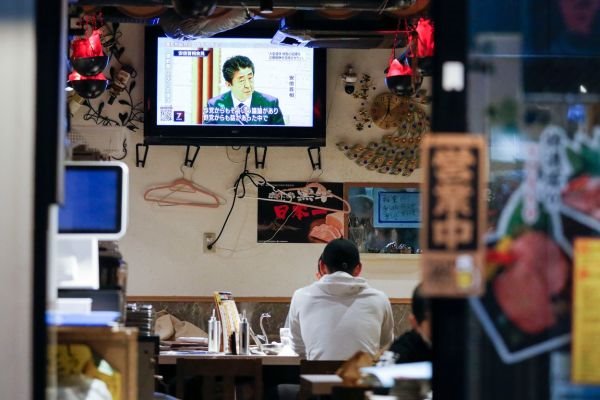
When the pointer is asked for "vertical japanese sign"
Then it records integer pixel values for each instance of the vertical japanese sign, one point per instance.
(586, 324)
(454, 214)
(301, 212)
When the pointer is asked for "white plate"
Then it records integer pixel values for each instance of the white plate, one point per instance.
(192, 339)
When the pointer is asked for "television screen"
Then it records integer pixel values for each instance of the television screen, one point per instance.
(95, 200)
(562, 45)
(231, 91)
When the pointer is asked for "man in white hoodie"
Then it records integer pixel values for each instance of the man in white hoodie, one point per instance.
(339, 314)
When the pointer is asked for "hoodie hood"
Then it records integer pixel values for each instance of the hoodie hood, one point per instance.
(341, 284)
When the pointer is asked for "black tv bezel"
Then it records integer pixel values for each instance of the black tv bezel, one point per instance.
(221, 135)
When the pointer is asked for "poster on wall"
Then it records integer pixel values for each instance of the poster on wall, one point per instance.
(301, 212)
(526, 309)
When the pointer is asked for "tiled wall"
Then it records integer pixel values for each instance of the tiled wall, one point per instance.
(198, 313)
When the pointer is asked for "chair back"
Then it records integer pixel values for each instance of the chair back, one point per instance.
(319, 367)
(226, 379)
(316, 367)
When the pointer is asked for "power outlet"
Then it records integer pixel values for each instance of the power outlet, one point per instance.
(207, 239)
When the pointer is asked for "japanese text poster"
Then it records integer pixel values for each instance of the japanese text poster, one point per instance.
(300, 212)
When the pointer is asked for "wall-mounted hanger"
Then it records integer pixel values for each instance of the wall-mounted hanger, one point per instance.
(311, 193)
(183, 192)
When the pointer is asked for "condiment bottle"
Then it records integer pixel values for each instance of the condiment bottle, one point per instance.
(244, 333)
(214, 341)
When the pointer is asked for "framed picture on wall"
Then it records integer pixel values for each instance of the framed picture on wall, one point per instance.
(384, 217)
(301, 212)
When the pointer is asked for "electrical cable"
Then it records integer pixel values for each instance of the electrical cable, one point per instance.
(124, 151)
(254, 178)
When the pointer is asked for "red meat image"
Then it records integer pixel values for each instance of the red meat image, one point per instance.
(325, 233)
(525, 287)
(583, 194)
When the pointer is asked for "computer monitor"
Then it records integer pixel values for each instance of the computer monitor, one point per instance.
(95, 207)
(95, 200)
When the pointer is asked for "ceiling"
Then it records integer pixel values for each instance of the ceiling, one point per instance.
(310, 23)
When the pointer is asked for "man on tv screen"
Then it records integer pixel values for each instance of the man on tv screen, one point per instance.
(242, 104)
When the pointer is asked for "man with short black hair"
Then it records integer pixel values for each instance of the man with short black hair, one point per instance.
(242, 104)
(415, 345)
(339, 314)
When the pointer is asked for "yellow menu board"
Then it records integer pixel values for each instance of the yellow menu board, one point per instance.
(228, 315)
(585, 351)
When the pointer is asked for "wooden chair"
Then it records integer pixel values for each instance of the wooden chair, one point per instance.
(319, 366)
(316, 367)
(239, 379)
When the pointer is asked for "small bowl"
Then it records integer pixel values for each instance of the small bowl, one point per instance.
(89, 88)
(272, 348)
(89, 66)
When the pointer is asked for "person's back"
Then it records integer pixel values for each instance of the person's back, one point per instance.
(339, 314)
(415, 345)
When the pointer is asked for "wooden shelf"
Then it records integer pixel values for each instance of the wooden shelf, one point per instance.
(117, 345)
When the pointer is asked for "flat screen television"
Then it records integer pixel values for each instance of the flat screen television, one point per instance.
(272, 95)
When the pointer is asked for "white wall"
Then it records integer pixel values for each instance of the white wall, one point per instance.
(17, 113)
(163, 245)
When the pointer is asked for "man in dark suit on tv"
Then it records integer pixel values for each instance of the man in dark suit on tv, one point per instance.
(242, 105)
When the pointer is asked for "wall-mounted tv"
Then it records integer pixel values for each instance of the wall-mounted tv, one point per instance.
(232, 91)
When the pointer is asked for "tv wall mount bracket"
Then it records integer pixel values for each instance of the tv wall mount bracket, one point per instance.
(191, 153)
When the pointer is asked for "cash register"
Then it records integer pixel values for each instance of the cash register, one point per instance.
(88, 272)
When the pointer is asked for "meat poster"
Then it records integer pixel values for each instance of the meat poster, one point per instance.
(526, 309)
(301, 212)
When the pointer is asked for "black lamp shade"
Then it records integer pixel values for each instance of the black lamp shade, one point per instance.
(400, 84)
(89, 66)
(89, 88)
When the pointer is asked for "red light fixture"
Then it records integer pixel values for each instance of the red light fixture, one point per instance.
(88, 61)
(422, 45)
(404, 74)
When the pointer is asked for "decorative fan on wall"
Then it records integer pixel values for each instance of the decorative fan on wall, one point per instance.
(396, 153)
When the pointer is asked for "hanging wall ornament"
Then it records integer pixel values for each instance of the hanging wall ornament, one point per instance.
(402, 76)
(362, 119)
(88, 60)
(421, 46)
(87, 55)
(88, 87)
(397, 153)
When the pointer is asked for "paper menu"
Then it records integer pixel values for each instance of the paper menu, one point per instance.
(585, 350)
(229, 316)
